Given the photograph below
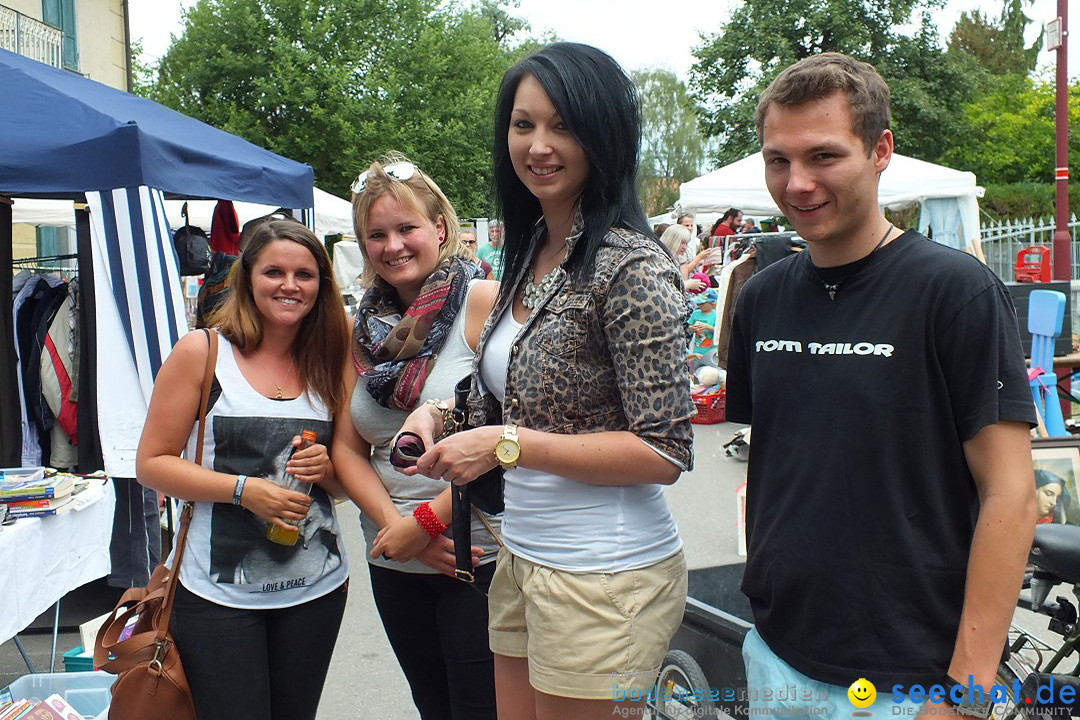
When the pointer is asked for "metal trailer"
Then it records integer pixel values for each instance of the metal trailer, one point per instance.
(703, 675)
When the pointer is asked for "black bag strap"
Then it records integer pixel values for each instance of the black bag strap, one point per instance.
(461, 528)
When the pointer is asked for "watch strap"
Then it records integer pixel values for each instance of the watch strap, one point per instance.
(968, 706)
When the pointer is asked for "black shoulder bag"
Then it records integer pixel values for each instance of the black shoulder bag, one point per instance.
(484, 493)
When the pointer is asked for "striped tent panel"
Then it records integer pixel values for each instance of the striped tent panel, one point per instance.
(136, 269)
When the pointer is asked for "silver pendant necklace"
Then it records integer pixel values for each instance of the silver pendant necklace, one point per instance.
(832, 287)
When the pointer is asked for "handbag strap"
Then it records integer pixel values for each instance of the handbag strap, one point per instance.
(189, 508)
(461, 529)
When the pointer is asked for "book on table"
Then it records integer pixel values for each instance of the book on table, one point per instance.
(58, 507)
(26, 484)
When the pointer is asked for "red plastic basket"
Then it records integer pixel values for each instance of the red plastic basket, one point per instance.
(710, 408)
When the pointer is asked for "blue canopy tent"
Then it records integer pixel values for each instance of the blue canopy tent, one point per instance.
(64, 136)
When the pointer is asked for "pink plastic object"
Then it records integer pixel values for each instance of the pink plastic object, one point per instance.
(703, 278)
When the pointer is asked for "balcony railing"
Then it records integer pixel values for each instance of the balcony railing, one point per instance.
(31, 38)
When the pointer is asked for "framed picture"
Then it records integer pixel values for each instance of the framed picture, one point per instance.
(1057, 470)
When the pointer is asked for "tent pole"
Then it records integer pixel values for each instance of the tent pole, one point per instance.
(90, 458)
(11, 440)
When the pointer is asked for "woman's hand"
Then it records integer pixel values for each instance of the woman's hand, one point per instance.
(439, 555)
(310, 464)
(401, 540)
(695, 285)
(273, 503)
(462, 457)
(423, 422)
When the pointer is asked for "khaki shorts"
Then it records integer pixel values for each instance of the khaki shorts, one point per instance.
(586, 635)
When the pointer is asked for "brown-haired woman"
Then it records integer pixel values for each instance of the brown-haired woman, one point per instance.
(416, 330)
(255, 620)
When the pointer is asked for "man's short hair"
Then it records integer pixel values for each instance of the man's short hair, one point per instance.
(819, 76)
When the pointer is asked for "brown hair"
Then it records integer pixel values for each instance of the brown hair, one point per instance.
(819, 76)
(420, 193)
(320, 344)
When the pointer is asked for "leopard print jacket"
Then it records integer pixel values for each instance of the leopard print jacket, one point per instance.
(609, 357)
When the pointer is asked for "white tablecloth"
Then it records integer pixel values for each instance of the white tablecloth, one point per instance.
(42, 559)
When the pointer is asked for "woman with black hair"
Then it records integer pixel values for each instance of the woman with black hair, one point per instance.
(579, 394)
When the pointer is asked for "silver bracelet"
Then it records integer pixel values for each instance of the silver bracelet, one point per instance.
(238, 491)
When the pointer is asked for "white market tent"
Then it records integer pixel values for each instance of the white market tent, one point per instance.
(333, 215)
(948, 198)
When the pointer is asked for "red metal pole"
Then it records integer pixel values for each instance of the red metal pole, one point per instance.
(1062, 241)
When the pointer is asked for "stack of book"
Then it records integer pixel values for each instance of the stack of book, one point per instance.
(53, 707)
(28, 492)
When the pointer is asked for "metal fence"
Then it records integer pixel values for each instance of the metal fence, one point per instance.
(31, 38)
(1001, 241)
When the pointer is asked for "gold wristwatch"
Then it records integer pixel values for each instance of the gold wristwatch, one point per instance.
(507, 449)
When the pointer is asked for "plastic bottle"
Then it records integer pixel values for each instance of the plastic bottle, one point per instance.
(276, 533)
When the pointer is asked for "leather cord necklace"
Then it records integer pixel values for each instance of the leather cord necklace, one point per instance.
(832, 287)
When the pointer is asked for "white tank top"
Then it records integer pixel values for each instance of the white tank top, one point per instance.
(228, 559)
(570, 525)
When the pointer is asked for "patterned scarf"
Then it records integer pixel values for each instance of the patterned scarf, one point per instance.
(395, 353)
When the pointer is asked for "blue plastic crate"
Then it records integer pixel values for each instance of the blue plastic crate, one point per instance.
(75, 660)
(88, 692)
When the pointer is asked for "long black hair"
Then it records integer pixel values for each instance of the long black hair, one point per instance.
(599, 105)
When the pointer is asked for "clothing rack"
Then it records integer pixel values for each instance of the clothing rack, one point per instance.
(44, 258)
(37, 264)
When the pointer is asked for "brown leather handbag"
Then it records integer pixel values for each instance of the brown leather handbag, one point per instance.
(151, 683)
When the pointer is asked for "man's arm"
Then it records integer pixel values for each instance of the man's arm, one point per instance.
(999, 457)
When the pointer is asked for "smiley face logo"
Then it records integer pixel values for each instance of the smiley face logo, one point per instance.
(862, 693)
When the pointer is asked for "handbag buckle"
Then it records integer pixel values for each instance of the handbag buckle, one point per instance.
(465, 575)
(160, 648)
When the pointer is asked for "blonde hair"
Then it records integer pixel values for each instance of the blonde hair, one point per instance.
(419, 193)
(674, 237)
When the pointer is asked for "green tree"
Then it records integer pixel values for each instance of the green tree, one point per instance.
(142, 72)
(928, 86)
(1012, 138)
(764, 36)
(336, 83)
(997, 45)
(672, 147)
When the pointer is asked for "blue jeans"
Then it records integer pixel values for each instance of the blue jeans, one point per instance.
(777, 690)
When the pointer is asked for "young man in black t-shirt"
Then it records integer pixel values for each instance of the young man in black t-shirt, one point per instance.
(889, 499)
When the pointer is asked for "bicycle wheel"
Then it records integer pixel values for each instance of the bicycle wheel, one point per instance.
(681, 691)
(1008, 709)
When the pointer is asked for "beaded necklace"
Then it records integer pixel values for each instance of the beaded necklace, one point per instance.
(533, 292)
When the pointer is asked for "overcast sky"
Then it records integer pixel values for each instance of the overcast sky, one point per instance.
(638, 33)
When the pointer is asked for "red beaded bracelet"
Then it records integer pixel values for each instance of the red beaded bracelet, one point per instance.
(428, 520)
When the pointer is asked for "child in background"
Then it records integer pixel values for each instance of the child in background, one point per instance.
(703, 324)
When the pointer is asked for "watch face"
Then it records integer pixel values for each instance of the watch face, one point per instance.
(507, 451)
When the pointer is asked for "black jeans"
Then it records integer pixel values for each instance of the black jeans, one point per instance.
(437, 626)
(256, 664)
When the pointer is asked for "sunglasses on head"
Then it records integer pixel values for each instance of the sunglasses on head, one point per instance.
(400, 171)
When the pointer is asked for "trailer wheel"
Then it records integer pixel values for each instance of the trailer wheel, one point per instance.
(681, 690)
